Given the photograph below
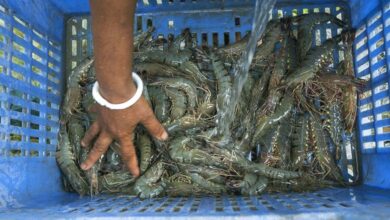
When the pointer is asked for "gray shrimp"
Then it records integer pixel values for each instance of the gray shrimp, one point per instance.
(149, 184)
(173, 59)
(144, 145)
(207, 184)
(281, 112)
(73, 97)
(300, 140)
(180, 150)
(316, 59)
(240, 162)
(283, 141)
(326, 161)
(187, 122)
(141, 37)
(187, 86)
(113, 160)
(349, 100)
(335, 126)
(275, 94)
(191, 69)
(305, 29)
(152, 70)
(272, 35)
(178, 103)
(247, 125)
(115, 182)
(209, 173)
(67, 163)
(182, 42)
(76, 131)
(292, 52)
(253, 184)
(160, 103)
(224, 81)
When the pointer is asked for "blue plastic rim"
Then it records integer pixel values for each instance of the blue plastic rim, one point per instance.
(32, 57)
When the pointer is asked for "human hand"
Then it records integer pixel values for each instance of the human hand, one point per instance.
(119, 125)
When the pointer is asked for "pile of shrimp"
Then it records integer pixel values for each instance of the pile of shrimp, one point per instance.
(295, 115)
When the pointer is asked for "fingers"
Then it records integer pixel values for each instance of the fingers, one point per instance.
(100, 147)
(90, 134)
(129, 156)
(155, 128)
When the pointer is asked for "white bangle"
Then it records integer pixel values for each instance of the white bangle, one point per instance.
(103, 102)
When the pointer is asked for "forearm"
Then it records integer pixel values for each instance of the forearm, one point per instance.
(112, 27)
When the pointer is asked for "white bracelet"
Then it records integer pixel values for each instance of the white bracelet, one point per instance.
(103, 102)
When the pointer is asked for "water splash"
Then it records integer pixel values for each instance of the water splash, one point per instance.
(260, 20)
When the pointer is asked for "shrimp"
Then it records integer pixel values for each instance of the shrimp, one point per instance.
(281, 112)
(149, 184)
(180, 151)
(306, 26)
(146, 152)
(316, 59)
(224, 82)
(153, 70)
(141, 37)
(179, 103)
(187, 122)
(291, 52)
(256, 98)
(76, 132)
(325, 160)
(187, 86)
(253, 185)
(67, 163)
(275, 94)
(209, 173)
(183, 41)
(230, 158)
(173, 59)
(349, 103)
(300, 139)
(206, 184)
(160, 103)
(73, 93)
(272, 35)
(115, 182)
(283, 143)
(334, 125)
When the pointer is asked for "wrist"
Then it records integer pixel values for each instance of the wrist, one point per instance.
(96, 93)
(117, 92)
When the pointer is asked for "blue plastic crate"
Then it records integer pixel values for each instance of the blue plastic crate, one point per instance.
(35, 49)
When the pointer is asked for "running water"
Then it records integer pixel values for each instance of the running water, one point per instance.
(260, 20)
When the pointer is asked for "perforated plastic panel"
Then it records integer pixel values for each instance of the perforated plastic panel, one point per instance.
(220, 24)
(30, 91)
(358, 203)
(212, 23)
(372, 61)
(372, 64)
(30, 74)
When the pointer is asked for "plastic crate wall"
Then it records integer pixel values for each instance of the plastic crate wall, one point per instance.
(220, 24)
(30, 96)
(25, 177)
(372, 60)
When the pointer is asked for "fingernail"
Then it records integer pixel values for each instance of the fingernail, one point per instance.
(164, 136)
(137, 174)
(83, 166)
(82, 143)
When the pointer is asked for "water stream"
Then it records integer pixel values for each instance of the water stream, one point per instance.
(260, 20)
